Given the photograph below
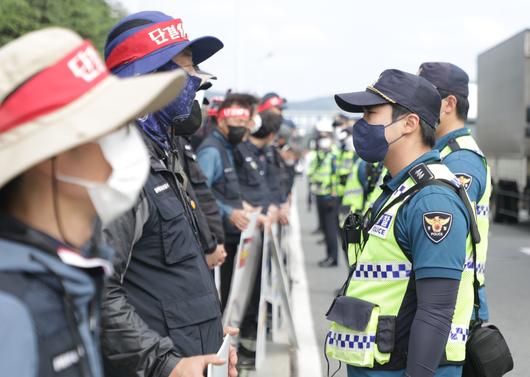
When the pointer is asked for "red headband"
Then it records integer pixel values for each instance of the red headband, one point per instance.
(53, 87)
(270, 103)
(146, 41)
(233, 112)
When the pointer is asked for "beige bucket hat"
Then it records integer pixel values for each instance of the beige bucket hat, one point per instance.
(56, 94)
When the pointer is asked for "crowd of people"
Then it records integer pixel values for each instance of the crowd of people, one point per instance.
(115, 210)
(123, 188)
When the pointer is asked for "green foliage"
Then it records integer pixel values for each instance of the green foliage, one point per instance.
(92, 19)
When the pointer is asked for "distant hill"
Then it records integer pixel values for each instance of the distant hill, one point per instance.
(324, 104)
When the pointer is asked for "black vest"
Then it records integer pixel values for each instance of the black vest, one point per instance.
(60, 349)
(277, 175)
(251, 167)
(226, 189)
(168, 281)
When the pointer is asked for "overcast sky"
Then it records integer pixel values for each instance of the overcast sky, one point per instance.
(307, 48)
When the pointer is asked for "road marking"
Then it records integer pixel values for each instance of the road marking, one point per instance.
(308, 355)
(525, 250)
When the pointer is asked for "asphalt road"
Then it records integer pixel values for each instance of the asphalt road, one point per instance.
(507, 274)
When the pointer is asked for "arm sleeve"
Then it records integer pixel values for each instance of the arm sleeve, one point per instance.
(129, 345)
(210, 163)
(18, 348)
(431, 325)
(212, 168)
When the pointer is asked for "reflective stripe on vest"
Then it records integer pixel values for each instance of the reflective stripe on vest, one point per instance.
(381, 277)
(467, 142)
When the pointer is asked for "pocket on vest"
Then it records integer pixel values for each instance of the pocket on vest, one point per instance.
(180, 313)
(358, 335)
(178, 240)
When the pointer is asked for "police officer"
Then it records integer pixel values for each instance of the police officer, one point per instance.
(51, 264)
(406, 306)
(325, 189)
(346, 160)
(216, 159)
(161, 303)
(461, 153)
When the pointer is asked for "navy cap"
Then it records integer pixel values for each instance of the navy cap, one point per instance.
(446, 76)
(394, 86)
(166, 46)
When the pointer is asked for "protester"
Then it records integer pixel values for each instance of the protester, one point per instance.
(72, 159)
(161, 304)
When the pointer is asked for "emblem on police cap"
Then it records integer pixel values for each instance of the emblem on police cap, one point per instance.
(437, 225)
(464, 179)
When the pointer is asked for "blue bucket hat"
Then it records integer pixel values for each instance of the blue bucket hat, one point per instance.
(143, 42)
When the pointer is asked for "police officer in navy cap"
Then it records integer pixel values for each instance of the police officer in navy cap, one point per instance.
(161, 306)
(461, 153)
(406, 305)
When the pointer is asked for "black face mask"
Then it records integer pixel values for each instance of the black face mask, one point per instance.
(236, 134)
(191, 124)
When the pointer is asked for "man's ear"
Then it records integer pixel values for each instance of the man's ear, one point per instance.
(412, 122)
(450, 104)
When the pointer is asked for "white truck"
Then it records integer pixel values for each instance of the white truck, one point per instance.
(503, 124)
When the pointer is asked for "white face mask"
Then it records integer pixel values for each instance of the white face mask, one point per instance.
(126, 153)
(324, 143)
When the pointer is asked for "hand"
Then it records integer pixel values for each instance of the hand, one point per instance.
(272, 213)
(232, 362)
(239, 218)
(217, 258)
(283, 215)
(194, 366)
(265, 223)
(247, 207)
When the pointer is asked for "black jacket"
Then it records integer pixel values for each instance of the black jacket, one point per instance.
(210, 221)
(161, 302)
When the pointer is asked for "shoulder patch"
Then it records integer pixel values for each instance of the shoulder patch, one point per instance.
(420, 173)
(437, 225)
(464, 179)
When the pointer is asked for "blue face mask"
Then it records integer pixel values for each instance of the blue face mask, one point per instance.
(180, 108)
(370, 141)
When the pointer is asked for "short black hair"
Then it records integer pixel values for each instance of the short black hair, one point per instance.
(427, 131)
(462, 103)
(236, 99)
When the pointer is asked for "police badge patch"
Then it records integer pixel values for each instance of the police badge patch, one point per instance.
(464, 179)
(437, 225)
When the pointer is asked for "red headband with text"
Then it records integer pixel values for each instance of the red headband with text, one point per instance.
(234, 112)
(146, 41)
(270, 103)
(54, 87)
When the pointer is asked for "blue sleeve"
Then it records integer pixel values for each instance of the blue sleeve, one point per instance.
(210, 162)
(433, 229)
(469, 165)
(18, 348)
(224, 210)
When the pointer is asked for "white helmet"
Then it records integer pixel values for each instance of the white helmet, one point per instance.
(324, 125)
